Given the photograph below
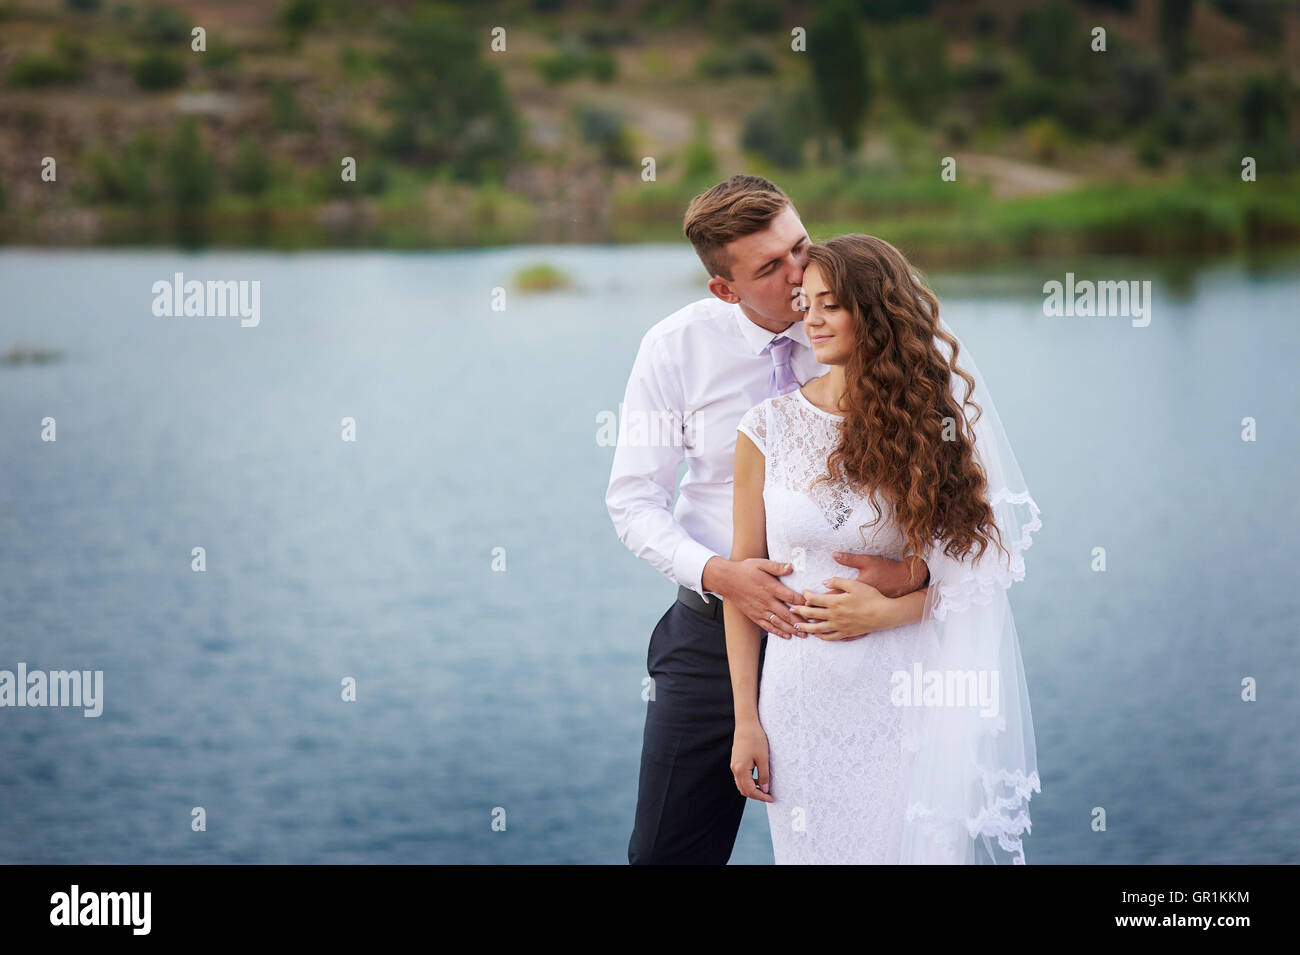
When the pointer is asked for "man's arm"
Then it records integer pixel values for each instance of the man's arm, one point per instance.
(893, 578)
(643, 477)
(642, 484)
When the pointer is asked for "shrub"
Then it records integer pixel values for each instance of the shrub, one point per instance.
(158, 70)
(1148, 148)
(720, 61)
(1045, 139)
(916, 66)
(602, 66)
(778, 128)
(560, 67)
(474, 129)
(161, 24)
(956, 126)
(754, 16)
(36, 70)
(574, 58)
(1068, 103)
(604, 128)
(286, 113)
(191, 171)
(251, 173)
(985, 72)
(298, 16)
(701, 161)
(1045, 33)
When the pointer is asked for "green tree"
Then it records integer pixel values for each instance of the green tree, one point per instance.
(701, 161)
(1175, 17)
(777, 128)
(1051, 40)
(839, 66)
(916, 67)
(605, 129)
(449, 108)
(251, 174)
(1265, 120)
(1261, 18)
(299, 16)
(158, 70)
(191, 170)
(162, 24)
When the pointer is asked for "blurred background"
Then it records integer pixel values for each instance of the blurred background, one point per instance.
(473, 295)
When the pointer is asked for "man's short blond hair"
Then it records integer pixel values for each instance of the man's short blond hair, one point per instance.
(740, 206)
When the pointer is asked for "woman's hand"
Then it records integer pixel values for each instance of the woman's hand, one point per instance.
(853, 610)
(749, 749)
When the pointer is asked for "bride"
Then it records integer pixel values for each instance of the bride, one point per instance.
(911, 743)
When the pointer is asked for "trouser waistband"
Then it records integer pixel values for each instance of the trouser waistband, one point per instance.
(712, 609)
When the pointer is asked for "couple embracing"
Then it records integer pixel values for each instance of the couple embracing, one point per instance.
(841, 648)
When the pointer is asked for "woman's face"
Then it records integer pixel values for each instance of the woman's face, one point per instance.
(828, 322)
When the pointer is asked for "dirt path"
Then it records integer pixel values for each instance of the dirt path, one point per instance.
(1009, 178)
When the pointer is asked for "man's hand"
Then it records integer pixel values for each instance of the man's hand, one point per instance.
(891, 577)
(751, 585)
(850, 611)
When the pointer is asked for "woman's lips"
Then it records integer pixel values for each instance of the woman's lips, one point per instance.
(821, 338)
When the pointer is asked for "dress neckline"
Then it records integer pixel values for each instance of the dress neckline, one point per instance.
(821, 411)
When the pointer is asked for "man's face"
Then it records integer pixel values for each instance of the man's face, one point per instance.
(767, 269)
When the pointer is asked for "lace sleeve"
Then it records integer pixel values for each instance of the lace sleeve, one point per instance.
(754, 426)
(956, 585)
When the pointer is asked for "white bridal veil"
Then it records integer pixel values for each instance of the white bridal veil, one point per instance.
(967, 729)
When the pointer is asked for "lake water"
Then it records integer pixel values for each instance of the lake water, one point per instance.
(480, 690)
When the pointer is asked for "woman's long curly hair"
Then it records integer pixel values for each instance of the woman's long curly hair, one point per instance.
(900, 402)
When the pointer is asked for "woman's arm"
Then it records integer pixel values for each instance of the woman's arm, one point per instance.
(907, 608)
(748, 539)
(853, 609)
(749, 750)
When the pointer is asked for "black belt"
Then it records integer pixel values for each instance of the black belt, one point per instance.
(712, 609)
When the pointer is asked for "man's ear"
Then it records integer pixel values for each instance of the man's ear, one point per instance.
(720, 288)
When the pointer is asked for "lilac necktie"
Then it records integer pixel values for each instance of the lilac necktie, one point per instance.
(782, 380)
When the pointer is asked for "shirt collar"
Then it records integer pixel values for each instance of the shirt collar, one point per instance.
(758, 338)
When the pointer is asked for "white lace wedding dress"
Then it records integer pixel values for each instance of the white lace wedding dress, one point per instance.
(837, 761)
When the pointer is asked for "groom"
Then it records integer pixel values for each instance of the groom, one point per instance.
(702, 368)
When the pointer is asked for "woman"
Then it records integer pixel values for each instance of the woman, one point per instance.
(913, 743)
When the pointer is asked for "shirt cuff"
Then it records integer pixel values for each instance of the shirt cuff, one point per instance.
(688, 565)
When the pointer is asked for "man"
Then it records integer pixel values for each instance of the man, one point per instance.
(702, 368)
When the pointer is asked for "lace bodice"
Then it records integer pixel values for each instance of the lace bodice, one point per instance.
(797, 438)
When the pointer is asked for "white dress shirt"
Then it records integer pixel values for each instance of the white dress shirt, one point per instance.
(696, 374)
